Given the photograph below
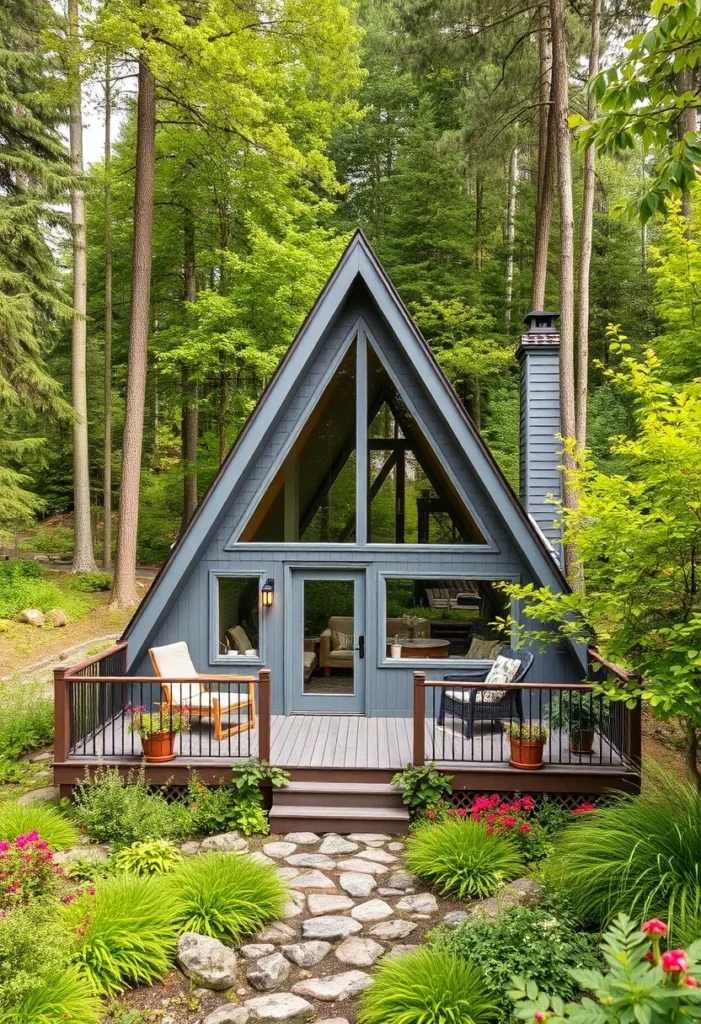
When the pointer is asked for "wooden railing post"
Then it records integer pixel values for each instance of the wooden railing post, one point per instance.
(264, 704)
(62, 716)
(419, 716)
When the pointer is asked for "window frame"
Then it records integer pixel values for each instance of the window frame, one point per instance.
(440, 664)
(215, 657)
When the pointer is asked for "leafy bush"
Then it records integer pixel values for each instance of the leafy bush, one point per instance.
(428, 986)
(639, 855)
(23, 584)
(532, 826)
(33, 945)
(461, 859)
(238, 807)
(554, 946)
(27, 720)
(27, 871)
(125, 933)
(123, 811)
(154, 857)
(18, 819)
(642, 983)
(423, 789)
(91, 582)
(52, 539)
(224, 896)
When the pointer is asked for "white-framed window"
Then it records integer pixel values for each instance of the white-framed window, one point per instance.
(235, 615)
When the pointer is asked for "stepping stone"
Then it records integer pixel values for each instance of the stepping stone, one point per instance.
(357, 883)
(39, 795)
(359, 952)
(378, 856)
(333, 1020)
(306, 954)
(399, 950)
(291, 909)
(403, 880)
(392, 930)
(319, 903)
(373, 910)
(313, 880)
(423, 903)
(277, 1006)
(386, 891)
(268, 972)
(46, 756)
(228, 842)
(276, 933)
(260, 858)
(287, 873)
(371, 838)
(455, 917)
(255, 950)
(335, 986)
(279, 850)
(336, 845)
(396, 847)
(311, 860)
(357, 864)
(303, 838)
(330, 928)
(229, 1014)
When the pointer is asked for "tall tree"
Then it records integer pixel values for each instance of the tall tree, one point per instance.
(190, 411)
(512, 193)
(107, 455)
(546, 158)
(83, 557)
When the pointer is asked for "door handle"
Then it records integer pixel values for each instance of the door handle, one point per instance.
(361, 647)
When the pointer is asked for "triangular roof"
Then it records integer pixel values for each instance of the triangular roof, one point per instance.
(357, 262)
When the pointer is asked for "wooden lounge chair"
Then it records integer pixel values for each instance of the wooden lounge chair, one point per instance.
(184, 687)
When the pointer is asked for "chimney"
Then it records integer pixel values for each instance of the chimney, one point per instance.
(538, 352)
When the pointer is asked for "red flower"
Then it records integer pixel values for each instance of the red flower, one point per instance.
(461, 812)
(584, 808)
(527, 803)
(675, 961)
(491, 818)
(691, 982)
(431, 815)
(540, 1016)
(509, 822)
(489, 831)
(649, 956)
(451, 812)
(654, 927)
(524, 827)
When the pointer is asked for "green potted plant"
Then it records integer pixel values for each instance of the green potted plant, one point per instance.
(527, 740)
(157, 730)
(579, 715)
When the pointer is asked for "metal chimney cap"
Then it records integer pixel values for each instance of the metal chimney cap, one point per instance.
(541, 322)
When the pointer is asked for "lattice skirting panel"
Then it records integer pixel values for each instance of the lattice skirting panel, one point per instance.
(466, 797)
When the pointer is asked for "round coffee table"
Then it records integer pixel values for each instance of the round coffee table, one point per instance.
(422, 647)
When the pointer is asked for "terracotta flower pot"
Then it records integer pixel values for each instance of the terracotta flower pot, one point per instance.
(582, 741)
(526, 754)
(159, 747)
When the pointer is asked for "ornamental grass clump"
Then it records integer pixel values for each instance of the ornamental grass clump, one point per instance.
(639, 855)
(53, 826)
(427, 986)
(125, 933)
(461, 859)
(224, 896)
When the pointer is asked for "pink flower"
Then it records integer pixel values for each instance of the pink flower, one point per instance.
(4, 845)
(540, 1016)
(461, 812)
(691, 982)
(584, 808)
(649, 956)
(524, 827)
(431, 815)
(491, 818)
(675, 961)
(451, 812)
(68, 898)
(654, 927)
(509, 822)
(527, 803)
(489, 831)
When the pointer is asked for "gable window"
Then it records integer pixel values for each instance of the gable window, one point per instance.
(237, 604)
(443, 618)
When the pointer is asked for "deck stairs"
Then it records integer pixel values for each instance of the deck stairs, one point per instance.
(341, 807)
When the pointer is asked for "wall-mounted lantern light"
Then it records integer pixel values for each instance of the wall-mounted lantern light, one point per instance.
(267, 593)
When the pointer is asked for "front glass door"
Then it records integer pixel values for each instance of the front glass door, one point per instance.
(328, 642)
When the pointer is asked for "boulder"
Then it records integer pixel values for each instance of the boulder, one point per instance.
(403, 880)
(56, 617)
(306, 954)
(276, 933)
(330, 928)
(524, 891)
(276, 1006)
(334, 986)
(206, 961)
(486, 910)
(99, 852)
(42, 558)
(279, 850)
(228, 842)
(454, 918)
(31, 616)
(268, 972)
(399, 950)
(190, 848)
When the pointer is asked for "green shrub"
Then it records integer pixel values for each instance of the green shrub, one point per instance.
(91, 582)
(224, 896)
(428, 986)
(51, 539)
(423, 789)
(53, 826)
(461, 859)
(639, 855)
(27, 720)
(123, 811)
(236, 807)
(554, 946)
(33, 945)
(25, 587)
(154, 857)
(125, 933)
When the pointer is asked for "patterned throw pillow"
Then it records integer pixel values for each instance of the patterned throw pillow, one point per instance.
(341, 641)
(502, 672)
(482, 649)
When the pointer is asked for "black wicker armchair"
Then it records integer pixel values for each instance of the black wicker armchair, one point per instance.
(467, 705)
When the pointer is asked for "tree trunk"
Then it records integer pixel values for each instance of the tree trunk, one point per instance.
(546, 160)
(190, 424)
(560, 105)
(692, 753)
(223, 418)
(107, 470)
(589, 189)
(511, 232)
(124, 593)
(684, 81)
(479, 201)
(83, 556)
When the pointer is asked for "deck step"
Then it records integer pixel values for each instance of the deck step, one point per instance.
(337, 794)
(343, 820)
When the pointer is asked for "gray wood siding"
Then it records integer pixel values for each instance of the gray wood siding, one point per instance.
(540, 458)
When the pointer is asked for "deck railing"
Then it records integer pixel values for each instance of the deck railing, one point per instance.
(94, 702)
(590, 731)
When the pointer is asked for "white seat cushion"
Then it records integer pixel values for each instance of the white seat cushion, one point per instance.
(204, 700)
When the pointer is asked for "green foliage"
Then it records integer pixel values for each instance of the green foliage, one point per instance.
(27, 720)
(576, 711)
(460, 859)
(123, 811)
(527, 730)
(91, 582)
(639, 854)
(552, 944)
(424, 788)
(53, 826)
(125, 934)
(223, 896)
(23, 584)
(63, 997)
(154, 857)
(154, 723)
(634, 988)
(428, 986)
(237, 806)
